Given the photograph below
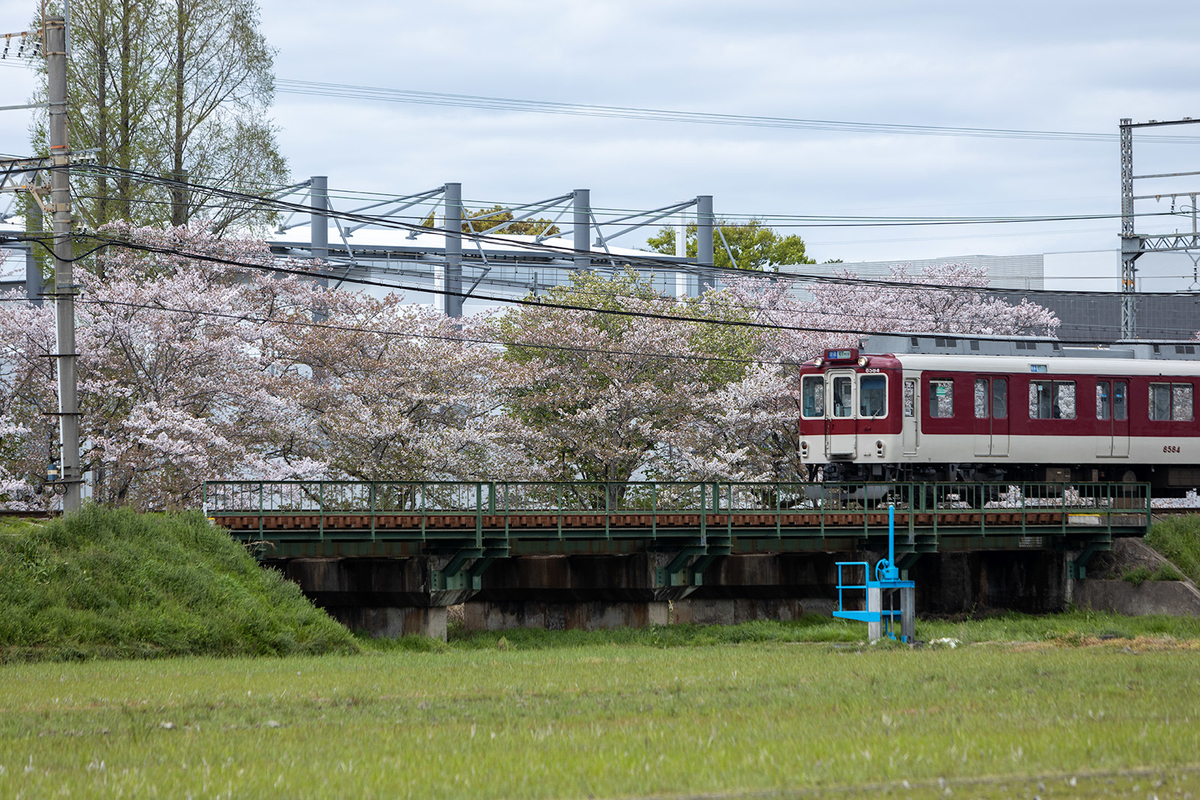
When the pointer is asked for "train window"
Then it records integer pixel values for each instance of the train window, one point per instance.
(1052, 399)
(1170, 401)
(941, 399)
(843, 396)
(1103, 400)
(910, 398)
(981, 398)
(812, 394)
(1181, 401)
(999, 398)
(872, 396)
(1120, 400)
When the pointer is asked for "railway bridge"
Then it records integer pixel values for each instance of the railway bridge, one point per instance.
(391, 556)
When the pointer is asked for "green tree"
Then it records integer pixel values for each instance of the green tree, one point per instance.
(497, 215)
(754, 246)
(175, 88)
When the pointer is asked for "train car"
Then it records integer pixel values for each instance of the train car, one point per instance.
(921, 407)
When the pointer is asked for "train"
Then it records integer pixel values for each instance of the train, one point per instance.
(920, 407)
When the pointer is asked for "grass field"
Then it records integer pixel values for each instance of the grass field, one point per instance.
(1067, 716)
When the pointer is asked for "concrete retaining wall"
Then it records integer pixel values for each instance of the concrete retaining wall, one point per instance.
(1173, 598)
(491, 616)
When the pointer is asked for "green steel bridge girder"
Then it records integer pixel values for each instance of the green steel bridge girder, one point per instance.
(475, 523)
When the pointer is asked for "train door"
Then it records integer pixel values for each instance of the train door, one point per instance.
(999, 400)
(991, 416)
(912, 402)
(841, 435)
(1112, 417)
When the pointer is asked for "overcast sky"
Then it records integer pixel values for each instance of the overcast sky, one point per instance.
(1060, 66)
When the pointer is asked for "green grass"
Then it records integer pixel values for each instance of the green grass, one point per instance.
(812, 629)
(1178, 538)
(1139, 575)
(613, 720)
(106, 583)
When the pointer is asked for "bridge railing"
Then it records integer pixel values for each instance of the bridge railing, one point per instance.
(1090, 503)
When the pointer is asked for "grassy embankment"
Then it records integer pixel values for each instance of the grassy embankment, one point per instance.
(1178, 538)
(116, 584)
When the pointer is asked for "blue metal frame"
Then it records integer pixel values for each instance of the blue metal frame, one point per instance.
(887, 577)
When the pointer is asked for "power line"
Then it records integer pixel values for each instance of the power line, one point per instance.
(382, 94)
(310, 273)
(527, 302)
(412, 335)
(648, 259)
(798, 221)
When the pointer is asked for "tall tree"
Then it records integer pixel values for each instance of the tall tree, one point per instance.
(219, 86)
(178, 89)
(754, 246)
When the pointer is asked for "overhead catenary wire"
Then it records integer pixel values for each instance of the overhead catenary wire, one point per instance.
(797, 221)
(435, 337)
(750, 324)
(384, 94)
(647, 259)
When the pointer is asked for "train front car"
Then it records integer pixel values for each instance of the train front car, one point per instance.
(974, 409)
(852, 414)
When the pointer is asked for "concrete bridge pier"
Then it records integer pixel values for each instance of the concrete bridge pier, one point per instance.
(1029, 581)
(385, 597)
(580, 592)
(759, 586)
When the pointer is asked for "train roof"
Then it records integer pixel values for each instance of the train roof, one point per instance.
(1033, 364)
(1028, 347)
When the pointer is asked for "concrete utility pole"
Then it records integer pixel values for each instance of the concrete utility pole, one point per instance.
(64, 278)
(453, 219)
(318, 234)
(581, 228)
(704, 239)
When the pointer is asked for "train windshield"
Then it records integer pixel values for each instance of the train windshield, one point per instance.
(843, 396)
(812, 396)
(872, 396)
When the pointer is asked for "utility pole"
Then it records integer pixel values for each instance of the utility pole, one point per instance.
(64, 278)
(1131, 245)
(1134, 245)
(704, 240)
(453, 228)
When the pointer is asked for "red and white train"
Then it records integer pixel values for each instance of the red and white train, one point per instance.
(974, 409)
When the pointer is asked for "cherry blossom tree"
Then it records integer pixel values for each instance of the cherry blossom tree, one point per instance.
(200, 359)
(839, 311)
(179, 376)
(28, 429)
(591, 395)
(392, 391)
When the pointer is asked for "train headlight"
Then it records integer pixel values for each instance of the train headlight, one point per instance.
(804, 449)
(879, 448)
(818, 362)
(862, 361)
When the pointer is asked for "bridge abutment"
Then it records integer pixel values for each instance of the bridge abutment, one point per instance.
(385, 597)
